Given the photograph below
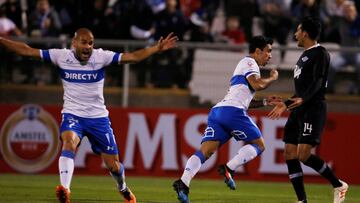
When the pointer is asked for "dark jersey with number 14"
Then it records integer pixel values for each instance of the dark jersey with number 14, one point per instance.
(310, 75)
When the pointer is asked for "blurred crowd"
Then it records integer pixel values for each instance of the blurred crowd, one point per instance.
(226, 21)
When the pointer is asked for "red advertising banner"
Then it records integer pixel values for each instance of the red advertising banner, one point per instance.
(158, 142)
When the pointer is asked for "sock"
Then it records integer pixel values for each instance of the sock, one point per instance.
(193, 165)
(296, 178)
(323, 169)
(66, 168)
(244, 155)
(119, 178)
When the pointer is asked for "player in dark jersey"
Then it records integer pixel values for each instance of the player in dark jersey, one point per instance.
(308, 112)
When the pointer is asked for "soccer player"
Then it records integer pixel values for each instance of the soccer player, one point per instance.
(308, 112)
(84, 113)
(229, 118)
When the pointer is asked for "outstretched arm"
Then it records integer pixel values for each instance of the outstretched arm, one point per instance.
(268, 101)
(20, 48)
(163, 44)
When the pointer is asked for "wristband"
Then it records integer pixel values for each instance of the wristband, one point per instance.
(288, 103)
(265, 103)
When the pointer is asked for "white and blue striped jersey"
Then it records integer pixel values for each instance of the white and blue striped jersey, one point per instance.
(83, 83)
(240, 92)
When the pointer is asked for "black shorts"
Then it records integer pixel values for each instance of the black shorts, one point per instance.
(305, 126)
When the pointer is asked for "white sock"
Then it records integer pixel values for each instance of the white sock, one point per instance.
(119, 178)
(244, 155)
(193, 165)
(66, 169)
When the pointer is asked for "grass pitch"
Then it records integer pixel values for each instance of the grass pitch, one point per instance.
(86, 189)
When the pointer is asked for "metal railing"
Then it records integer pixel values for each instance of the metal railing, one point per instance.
(130, 45)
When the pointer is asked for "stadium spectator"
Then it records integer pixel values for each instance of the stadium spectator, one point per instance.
(276, 17)
(97, 20)
(315, 8)
(7, 26)
(69, 15)
(349, 29)
(233, 33)
(245, 10)
(44, 21)
(307, 119)
(84, 113)
(198, 31)
(168, 68)
(229, 118)
(13, 12)
(118, 12)
(143, 28)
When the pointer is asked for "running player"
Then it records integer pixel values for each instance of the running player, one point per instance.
(228, 118)
(84, 113)
(307, 119)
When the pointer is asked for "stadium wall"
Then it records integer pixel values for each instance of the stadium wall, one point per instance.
(157, 142)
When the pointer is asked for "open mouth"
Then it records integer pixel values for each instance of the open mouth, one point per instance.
(85, 54)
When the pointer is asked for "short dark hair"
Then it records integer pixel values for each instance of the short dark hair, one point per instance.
(259, 42)
(312, 26)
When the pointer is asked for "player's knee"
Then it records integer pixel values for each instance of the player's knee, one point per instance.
(69, 141)
(303, 157)
(261, 147)
(290, 155)
(69, 145)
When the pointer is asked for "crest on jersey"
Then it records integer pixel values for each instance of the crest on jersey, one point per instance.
(29, 139)
(305, 58)
(250, 63)
(297, 71)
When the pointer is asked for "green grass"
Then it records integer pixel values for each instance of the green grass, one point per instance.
(41, 188)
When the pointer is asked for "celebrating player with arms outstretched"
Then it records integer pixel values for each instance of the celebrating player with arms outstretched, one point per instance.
(84, 112)
(308, 112)
(229, 118)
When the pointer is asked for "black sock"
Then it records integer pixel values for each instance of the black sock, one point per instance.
(323, 169)
(296, 178)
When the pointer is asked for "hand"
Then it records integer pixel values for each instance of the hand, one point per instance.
(279, 108)
(168, 43)
(274, 74)
(273, 100)
(297, 101)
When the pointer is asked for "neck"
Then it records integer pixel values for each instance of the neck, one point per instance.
(253, 56)
(309, 43)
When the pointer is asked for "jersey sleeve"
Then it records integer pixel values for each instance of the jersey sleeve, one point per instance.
(251, 68)
(51, 55)
(110, 57)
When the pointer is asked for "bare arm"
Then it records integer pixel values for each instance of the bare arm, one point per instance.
(268, 101)
(163, 44)
(258, 83)
(20, 48)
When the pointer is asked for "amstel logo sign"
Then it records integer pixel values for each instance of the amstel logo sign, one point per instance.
(29, 139)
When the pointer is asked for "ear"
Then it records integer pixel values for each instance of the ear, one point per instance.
(257, 51)
(73, 42)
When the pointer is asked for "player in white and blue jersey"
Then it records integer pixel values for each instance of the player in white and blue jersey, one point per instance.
(82, 71)
(229, 119)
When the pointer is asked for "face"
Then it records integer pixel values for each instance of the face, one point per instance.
(263, 56)
(350, 12)
(42, 6)
(83, 45)
(300, 36)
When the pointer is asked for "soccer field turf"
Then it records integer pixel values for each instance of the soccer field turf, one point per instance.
(41, 188)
